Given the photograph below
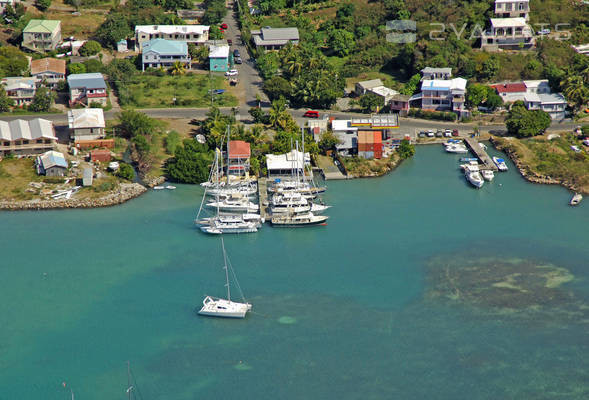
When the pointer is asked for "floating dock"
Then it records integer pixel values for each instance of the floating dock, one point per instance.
(263, 197)
(481, 154)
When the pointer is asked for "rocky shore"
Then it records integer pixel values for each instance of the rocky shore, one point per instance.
(524, 170)
(125, 192)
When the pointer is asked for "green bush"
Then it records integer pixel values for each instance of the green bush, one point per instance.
(433, 115)
(125, 171)
(172, 141)
(90, 48)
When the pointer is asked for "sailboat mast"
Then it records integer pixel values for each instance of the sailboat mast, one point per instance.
(129, 379)
(226, 270)
(228, 138)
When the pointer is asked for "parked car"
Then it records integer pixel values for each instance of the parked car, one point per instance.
(455, 132)
(447, 133)
(229, 42)
(431, 133)
(231, 72)
(238, 60)
(311, 114)
(439, 133)
(236, 53)
(422, 134)
(224, 25)
(217, 91)
(543, 32)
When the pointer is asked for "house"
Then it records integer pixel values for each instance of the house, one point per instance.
(42, 35)
(26, 137)
(362, 87)
(537, 86)
(122, 46)
(444, 95)
(269, 38)
(386, 94)
(197, 34)
(399, 103)
(553, 103)
(219, 57)
(21, 90)
(86, 124)
(238, 158)
(347, 136)
(512, 9)
(87, 176)
(163, 53)
(4, 3)
(282, 165)
(370, 144)
(50, 70)
(507, 34)
(51, 163)
(511, 92)
(100, 155)
(87, 88)
(316, 127)
(429, 73)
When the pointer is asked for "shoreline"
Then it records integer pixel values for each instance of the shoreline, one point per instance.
(529, 175)
(125, 192)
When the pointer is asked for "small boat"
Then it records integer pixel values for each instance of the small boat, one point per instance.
(483, 146)
(170, 187)
(456, 148)
(488, 175)
(217, 307)
(473, 176)
(468, 159)
(576, 199)
(450, 142)
(158, 188)
(500, 163)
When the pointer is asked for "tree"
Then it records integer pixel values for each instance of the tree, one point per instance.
(268, 64)
(476, 94)
(341, 41)
(42, 4)
(278, 116)
(13, 62)
(493, 99)
(406, 149)
(113, 29)
(125, 171)
(370, 102)
(190, 163)
(134, 123)
(328, 142)
(76, 68)
(524, 123)
(90, 48)
(277, 87)
(259, 116)
(93, 65)
(490, 68)
(533, 70)
(5, 101)
(42, 100)
(411, 86)
(575, 91)
(198, 53)
(178, 68)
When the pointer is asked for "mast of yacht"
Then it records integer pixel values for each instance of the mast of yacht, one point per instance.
(129, 386)
(226, 270)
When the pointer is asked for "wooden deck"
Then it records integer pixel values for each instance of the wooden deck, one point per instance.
(481, 154)
(263, 197)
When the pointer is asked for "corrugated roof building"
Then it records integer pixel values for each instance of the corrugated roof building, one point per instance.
(26, 137)
(86, 123)
(51, 163)
(42, 35)
(269, 38)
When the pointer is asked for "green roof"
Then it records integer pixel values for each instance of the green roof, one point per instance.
(42, 26)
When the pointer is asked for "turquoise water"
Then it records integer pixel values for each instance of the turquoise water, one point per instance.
(341, 311)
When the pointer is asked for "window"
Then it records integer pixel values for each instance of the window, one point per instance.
(25, 142)
(39, 140)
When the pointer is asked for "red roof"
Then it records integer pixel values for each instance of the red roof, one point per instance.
(239, 149)
(377, 137)
(510, 87)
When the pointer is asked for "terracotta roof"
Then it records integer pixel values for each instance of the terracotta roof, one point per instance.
(239, 149)
(47, 64)
(510, 87)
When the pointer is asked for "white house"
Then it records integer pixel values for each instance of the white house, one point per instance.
(20, 89)
(508, 34)
(197, 34)
(87, 88)
(444, 95)
(554, 104)
(283, 164)
(86, 123)
(512, 9)
(346, 134)
(26, 137)
(537, 86)
(429, 73)
(162, 53)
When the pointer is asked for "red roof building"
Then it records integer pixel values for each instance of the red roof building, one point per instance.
(519, 87)
(100, 155)
(239, 157)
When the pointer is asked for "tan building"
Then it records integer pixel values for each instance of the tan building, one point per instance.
(20, 89)
(86, 124)
(42, 35)
(49, 69)
(26, 137)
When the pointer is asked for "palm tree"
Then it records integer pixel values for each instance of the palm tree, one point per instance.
(178, 68)
(575, 91)
(277, 114)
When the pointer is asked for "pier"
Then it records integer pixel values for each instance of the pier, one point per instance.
(481, 154)
(263, 196)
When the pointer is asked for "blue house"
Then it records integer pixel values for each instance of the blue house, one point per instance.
(162, 53)
(219, 58)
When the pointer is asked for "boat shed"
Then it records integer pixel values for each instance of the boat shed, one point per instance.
(283, 165)
(51, 163)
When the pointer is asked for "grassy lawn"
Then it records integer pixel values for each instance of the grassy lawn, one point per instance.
(15, 176)
(360, 167)
(81, 27)
(553, 158)
(191, 90)
(386, 79)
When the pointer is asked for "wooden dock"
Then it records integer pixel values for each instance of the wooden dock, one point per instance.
(263, 196)
(481, 154)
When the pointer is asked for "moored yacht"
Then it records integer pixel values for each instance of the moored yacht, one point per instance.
(300, 219)
(488, 175)
(235, 203)
(456, 148)
(500, 163)
(474, 176)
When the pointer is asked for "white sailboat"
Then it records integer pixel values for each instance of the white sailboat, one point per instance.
(219, 307)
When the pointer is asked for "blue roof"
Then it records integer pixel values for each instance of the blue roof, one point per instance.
(53, 159)
(166, 47)
(92, 80)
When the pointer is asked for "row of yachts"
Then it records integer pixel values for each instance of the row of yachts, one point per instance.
(474, 172)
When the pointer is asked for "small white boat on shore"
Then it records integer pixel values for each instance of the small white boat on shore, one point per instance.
(500, 163)
(576, 199)
(170, 187)
(158, 187)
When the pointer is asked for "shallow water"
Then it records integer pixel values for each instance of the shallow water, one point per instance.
(339, 311)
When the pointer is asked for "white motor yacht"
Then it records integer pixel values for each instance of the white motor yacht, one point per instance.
(473, 175)
(488, 175)
(234, 203)
(302, 219)
(500, 163)
(456, 148)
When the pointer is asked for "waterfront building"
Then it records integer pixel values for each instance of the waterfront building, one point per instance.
(552, 103)
(22, 137)
(238, 158)
(100, 155)
(444, 95)
(51, 163)
(86, 124)
(284, 165)
(347, 136)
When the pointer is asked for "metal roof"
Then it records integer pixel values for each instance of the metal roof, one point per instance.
(219, 51)
(92, 80)
(86, 118)
(508, 22)
(166, 47)
(239, 149)
(172, 29)
(47, 64)
(370, 84)
(552, 98)
(432, 70)
(42, 26)
(53, 159)
(28, 130)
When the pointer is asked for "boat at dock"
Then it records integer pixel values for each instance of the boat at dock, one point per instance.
(468, 159)
(576, 199)
(225, 308)
(500, 163)
(456, 148)
(488, 175)
(234, 203)
(298, 219)
(473, 176)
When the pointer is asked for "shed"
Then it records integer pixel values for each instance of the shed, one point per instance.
(100, 155)
(87, 176)
(51, 163)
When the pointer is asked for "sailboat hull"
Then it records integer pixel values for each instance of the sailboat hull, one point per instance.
(213, 307)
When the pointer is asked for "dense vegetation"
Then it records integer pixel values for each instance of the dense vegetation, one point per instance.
(522, 122)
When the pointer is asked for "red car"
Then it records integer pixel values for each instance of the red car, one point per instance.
(311, 114)
(455, 132)
(224, 25)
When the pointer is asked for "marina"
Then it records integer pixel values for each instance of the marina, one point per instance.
(481, 154)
